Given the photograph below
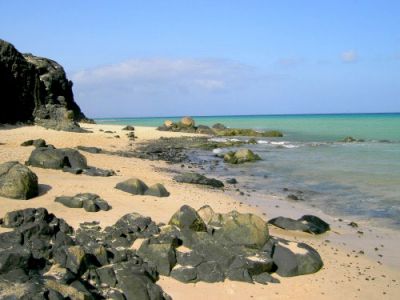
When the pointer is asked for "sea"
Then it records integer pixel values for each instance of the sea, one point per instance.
(359, 179)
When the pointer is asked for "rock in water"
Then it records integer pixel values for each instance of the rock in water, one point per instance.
(133, 186)
(241, 156)
(168, 123)
(17, 181)
(187, 122)
(36, 88)
(157, 190)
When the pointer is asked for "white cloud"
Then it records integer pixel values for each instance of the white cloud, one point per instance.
(154, 86)
(349, 56)
(189, 73)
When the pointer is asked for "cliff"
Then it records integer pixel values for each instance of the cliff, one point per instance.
(36, 89)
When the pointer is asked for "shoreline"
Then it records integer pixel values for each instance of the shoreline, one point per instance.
(337, 257)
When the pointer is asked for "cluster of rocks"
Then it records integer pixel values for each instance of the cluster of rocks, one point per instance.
(240, 156)
(43, 258)
(207, 246)
(187, 124)
(131, 134)
(66, 159)
(307, 223)
(36, 89)
(196, 178)
(17, 181)
(136, 186)
(88, 201)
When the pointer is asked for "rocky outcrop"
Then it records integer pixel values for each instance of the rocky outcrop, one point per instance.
(44, 255)
(42, 258)
(36, 89)
(17, 181)
(187, 124)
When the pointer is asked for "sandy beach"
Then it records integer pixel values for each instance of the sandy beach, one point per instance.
(348, 273)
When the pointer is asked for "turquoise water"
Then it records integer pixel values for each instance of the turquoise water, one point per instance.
(298, 127)
(356, 179)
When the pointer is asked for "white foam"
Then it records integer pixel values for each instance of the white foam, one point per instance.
(217, 151)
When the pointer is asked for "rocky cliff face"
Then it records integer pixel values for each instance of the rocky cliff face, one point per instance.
(36, 89)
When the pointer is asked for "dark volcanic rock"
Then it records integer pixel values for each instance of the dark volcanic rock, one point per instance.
(196, 178)
(96, 263)
(161, 253)
(79, 269)
(35, 89)
(133, 186)
(187, 218)
(184, 274)
(243, 229)
(157, 190)
(36, 143)
(67, 159)
(17, 181)
(129, 128)
(50, 158)
(90, 202)
(307, 223)
(293, 259)
(231, 181)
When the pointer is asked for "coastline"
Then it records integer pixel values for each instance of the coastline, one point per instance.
(346, 273)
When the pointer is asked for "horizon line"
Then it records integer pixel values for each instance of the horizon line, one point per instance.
(253, 115)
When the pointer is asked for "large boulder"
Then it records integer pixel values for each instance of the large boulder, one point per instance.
(241, 156)
(32, 86)
(243, 229)
(294, 259)
(187, 122)
(133, 186)
(196, 178)
(17, 181)
(50, 158)
(67, 159)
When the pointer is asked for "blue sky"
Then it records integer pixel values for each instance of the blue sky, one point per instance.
(159, 58)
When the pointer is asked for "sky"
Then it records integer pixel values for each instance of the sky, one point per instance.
(216, 57)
